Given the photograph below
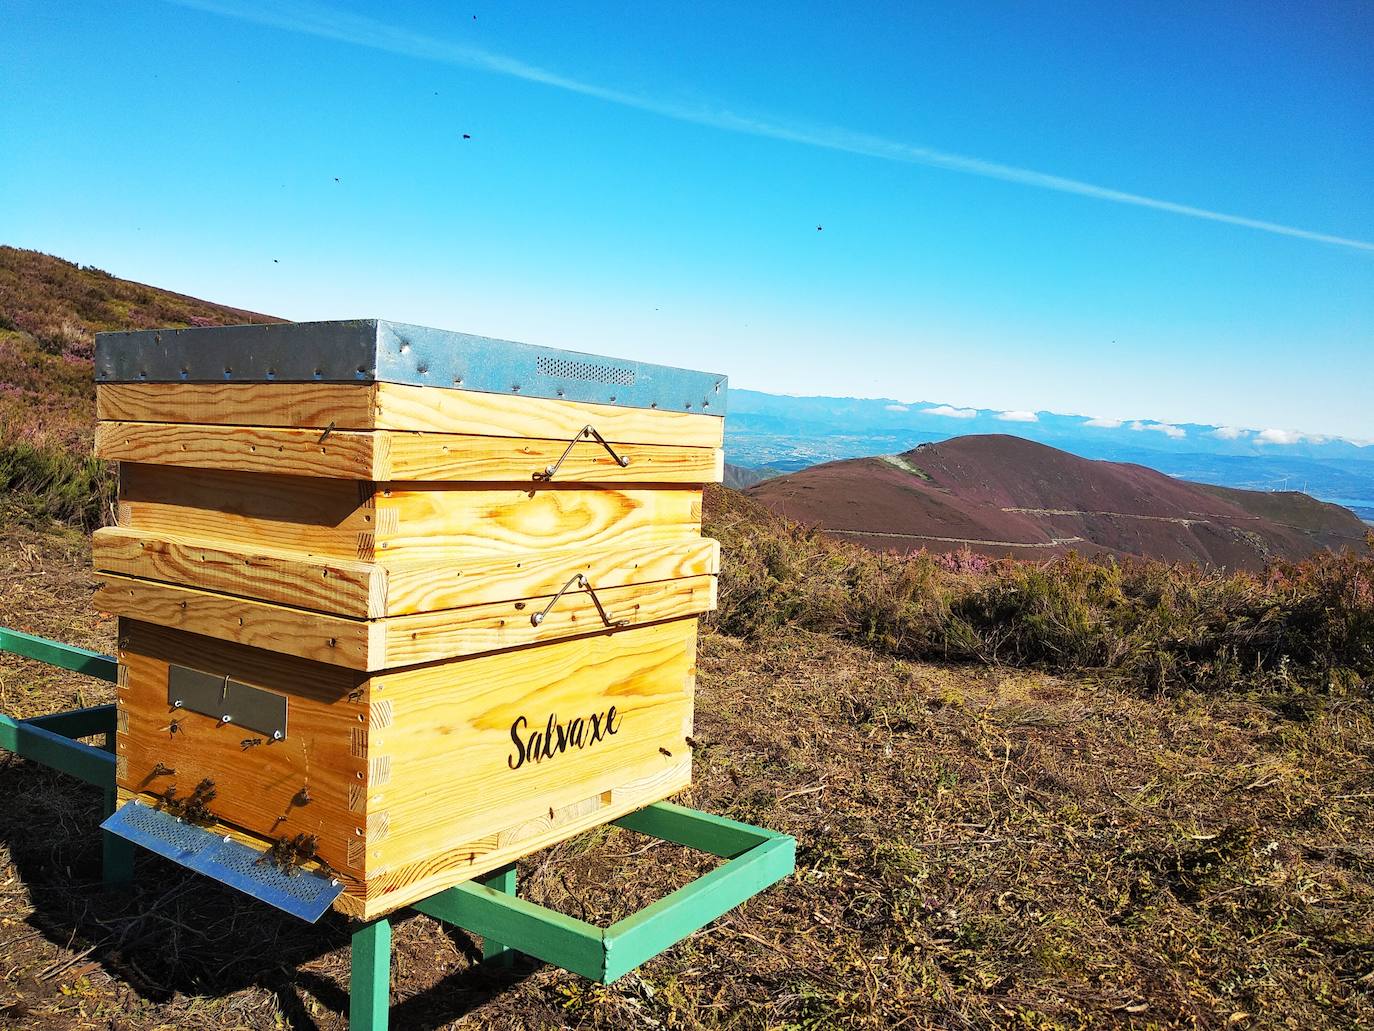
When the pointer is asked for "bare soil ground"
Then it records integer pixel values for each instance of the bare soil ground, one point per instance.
(977, 848)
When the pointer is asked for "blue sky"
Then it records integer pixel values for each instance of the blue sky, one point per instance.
(1001, 186)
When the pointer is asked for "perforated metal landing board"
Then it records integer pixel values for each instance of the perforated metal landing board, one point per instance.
(377, 351)
(301, 893)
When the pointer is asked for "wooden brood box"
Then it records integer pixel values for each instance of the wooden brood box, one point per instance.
(428, 599)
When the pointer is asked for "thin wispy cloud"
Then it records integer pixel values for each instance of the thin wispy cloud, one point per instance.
(360, 30)
(1018, 417)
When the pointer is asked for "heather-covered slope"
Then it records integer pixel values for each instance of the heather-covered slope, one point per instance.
(1002, 495)
(50, 311)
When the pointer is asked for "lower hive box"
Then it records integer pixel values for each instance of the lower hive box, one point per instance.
(401, 783)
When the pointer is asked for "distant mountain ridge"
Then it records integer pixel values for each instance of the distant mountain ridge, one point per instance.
(792, 433)
(1002, 495)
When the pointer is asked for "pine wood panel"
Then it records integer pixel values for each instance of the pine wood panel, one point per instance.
(452, 818)
(399, 640)
(395, 585)
(347, 454)
(391, 888)
(258, 786)
(347, 406)
(311, 635)
(393, 455)
(406, 407)
(434, 584)
(438, 521)
(472, 630)
(334, 585)
(476, 520)
(398, 406)
(313, 515)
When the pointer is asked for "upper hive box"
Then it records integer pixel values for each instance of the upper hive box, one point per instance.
(427, 599)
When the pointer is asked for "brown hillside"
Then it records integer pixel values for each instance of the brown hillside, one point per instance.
(1001, 495)
(50, 311)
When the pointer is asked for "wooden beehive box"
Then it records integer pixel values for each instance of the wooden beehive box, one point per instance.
(338, 563)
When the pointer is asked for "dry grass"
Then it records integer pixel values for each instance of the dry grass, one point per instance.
(979, 847)
(1295, 628)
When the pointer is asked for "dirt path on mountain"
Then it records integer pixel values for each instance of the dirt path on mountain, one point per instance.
(1054, 542)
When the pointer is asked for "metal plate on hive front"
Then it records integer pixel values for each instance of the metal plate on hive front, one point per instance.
(302, 893)
(374, 350)
(227, 700)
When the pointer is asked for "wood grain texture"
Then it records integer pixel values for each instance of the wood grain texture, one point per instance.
(310, 635)
(396, 406)
(475, 520)
(474, 629)
(450, 820)
(406, 407)
(338, 586)
(389, 889)
(442, 456)
(296, 513)
(347, 406)
(347, 454)
(393, 455)
(362, 520)
(393, 585)
(399, 640)
(258, 786)
(437, 583)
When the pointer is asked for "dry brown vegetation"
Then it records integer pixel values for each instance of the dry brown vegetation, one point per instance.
(980, 845)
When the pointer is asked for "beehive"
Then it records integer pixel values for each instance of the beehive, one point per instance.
(428, 600)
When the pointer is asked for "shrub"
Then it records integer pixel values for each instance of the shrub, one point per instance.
(40, 484)
(1160, 626)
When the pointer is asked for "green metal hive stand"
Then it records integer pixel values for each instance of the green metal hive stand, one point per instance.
(487, 906)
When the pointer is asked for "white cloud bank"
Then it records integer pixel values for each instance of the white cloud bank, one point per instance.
(1229, 433)
(1284, 437)
(1018, 417)
(325, 22)
(897, 408)
(1105, 424)
(950, 412)
(1169, 430)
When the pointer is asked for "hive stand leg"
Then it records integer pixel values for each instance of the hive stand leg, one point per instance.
(117, 855)
(369, 985)
(502, 880)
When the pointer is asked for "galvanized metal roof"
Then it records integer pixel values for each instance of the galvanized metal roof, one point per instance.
(377, 351)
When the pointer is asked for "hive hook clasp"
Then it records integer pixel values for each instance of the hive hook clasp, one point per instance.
(587, 432)
(579, 580)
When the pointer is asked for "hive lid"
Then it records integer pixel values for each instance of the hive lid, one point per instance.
(377, 351)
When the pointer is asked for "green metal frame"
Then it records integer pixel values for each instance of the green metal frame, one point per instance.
(53, 740)
(487, 906)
